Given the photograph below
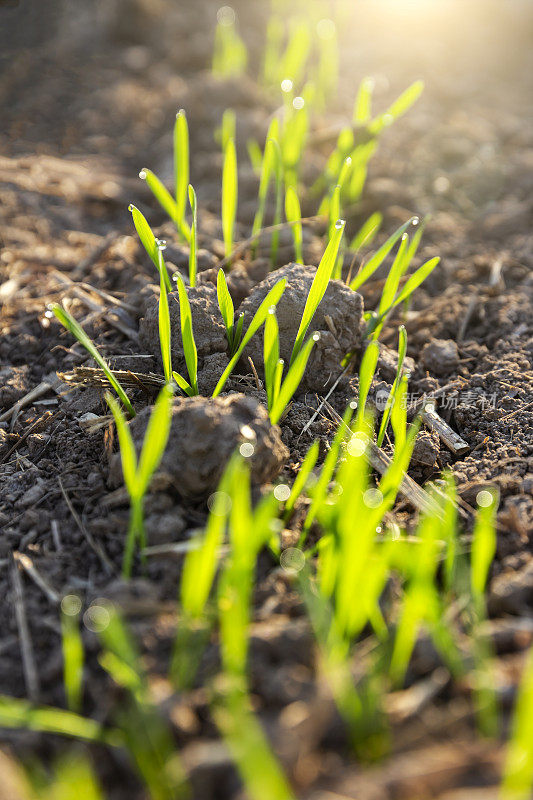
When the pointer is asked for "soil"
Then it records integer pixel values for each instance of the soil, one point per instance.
(89, 93)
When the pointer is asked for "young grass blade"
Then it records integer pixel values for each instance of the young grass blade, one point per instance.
(362, 111)
(395, 273)
(319, 286)
(75, 328)
(155, 439)
(193, 248)
(164, 321)
(293, 213)
(228, 127)
(402, 350)
(259, 317)
(368, 231)
(181, 171)
(261, 774)
(255, 154)
(278, 191)
(267, 170)
(274, 38)
(400, 107)
(128, 456)
(379, 257)
(225, 304)
(398, 413)
(483, 542)
(302, 477)
(271, 355)
(161, 193)
(187, 335)
(73, 655)
(366, 375)
(17, 713)
(149, 242)
(229, 195)
(292, 381)
(292, 66)
(416, 279)
(518, 770)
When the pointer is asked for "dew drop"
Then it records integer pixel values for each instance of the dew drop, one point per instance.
(142, 174)
(219, 503)
(316, 336)
(96, 618)
(298, 103)
(404, 237)
(339, 224)
(484, 498)
(292, 559)
(71, 605)
(286, 85)
(226, 15)
(372, 498)
(131, 207)
(282, 492)
(326, 29)
(357, 445)
(246, 450)
(415, 221)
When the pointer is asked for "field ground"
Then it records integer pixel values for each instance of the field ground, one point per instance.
(88, 97)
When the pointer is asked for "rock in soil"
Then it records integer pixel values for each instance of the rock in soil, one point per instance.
(204, 433)
(207, 324)
(338, 319)
(440, 356)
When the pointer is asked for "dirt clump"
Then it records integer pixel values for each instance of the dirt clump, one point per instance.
(440, 356)
(338, 319)
(204, 434)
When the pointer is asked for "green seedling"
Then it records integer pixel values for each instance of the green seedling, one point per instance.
(280, 392)
(75, 328)
(273, 49)
(152, 245)
(368, 269)
(229, 195)
(318, 287)
(138, 473)
(303, 479)
(367, 232)
(176, 206)
(190, 387)
(228, 128)
(362, 110)
(198, 576)
(73, 656)
(229, 55)
(193, 245)
(293, 62)
(16, 714)
(225, 304)
(258, 319)
(267, 171)
(517, 782)
(147, 736)
(366, 375)
(164, 321)
(293, 214)
(400, 107)
(328, 61)
(394, 399)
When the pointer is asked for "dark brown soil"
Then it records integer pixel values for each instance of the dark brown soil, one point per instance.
(88, 95)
